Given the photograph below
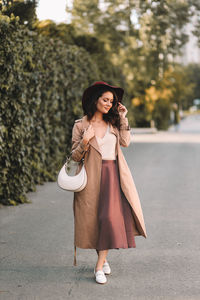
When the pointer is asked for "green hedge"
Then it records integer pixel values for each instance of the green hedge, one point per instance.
(41, 83)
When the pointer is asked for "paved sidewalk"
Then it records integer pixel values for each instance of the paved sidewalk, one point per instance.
(36, 242)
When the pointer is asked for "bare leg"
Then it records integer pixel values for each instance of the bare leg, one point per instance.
(101, 259)
(98, 255)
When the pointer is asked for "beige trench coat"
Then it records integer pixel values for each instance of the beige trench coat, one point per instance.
(85, 204)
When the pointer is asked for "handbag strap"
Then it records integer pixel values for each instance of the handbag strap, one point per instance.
(69, 157)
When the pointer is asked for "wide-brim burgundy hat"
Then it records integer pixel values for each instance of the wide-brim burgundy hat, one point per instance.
(90, 90)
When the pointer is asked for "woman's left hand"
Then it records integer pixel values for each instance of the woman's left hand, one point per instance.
(122, 110)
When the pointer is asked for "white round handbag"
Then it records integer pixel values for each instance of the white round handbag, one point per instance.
(74, 183)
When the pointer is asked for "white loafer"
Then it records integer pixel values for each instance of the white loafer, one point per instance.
(100, 276)
(106, 268)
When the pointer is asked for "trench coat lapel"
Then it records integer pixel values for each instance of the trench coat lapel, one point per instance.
(93, 141)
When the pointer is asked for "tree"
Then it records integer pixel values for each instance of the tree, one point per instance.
(141, 38)
(175, 88)
(26, 10)
(192, 72)
(142, 48)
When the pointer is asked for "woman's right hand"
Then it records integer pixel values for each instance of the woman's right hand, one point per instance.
(88, 134)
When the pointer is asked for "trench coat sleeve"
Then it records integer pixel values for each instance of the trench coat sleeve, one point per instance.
(78, 149)
(124, 132)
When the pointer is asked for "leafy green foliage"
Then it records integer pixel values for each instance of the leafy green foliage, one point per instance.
(24, 9)
(41, 84)
(175, 89)
(192, 73)
(70, 35)
(142, 39)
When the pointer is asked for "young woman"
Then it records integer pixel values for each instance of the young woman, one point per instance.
(107, 212)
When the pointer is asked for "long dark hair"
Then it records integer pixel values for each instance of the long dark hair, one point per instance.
(90, 106)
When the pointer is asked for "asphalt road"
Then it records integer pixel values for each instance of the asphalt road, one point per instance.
(36, 242)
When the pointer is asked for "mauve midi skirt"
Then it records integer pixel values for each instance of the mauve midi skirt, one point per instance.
(116, 222)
